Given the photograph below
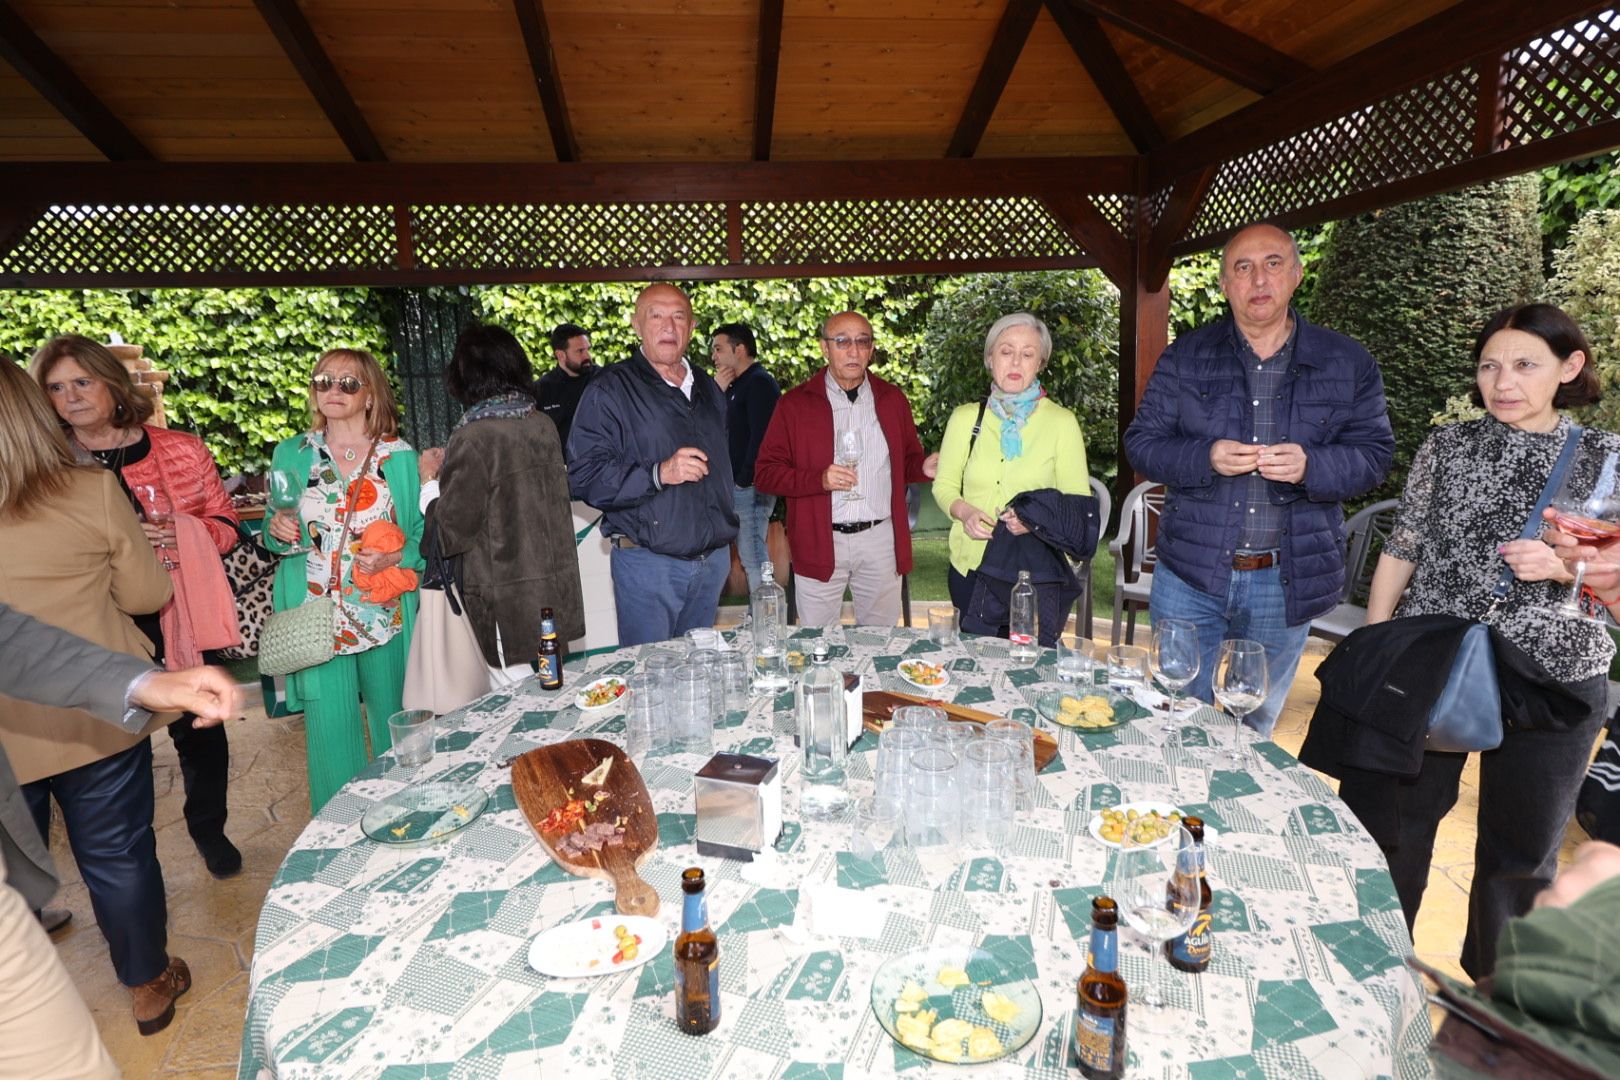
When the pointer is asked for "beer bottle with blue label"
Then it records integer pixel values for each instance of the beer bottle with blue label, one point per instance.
(1191, 951)
(1099, 1018)
(697, 961)
(548, 664)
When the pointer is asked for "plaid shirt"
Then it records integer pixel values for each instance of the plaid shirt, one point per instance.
(1261, 529)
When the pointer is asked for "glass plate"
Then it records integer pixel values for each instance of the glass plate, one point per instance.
(423, 812)
(1125, 710)
(984, 972)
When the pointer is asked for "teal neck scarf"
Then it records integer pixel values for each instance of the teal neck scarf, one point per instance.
(1013, 410)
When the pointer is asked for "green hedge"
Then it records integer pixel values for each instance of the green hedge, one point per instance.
(1586, 283)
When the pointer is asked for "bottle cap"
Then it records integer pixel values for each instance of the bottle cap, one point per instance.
(821, 654)
(766, 570)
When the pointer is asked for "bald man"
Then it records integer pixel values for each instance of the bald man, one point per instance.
(1260, 425)
(648, 448)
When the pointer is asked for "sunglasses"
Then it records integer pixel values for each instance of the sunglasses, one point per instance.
(348, 384)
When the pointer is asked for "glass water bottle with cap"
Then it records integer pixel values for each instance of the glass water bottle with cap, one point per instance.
(1023, 629)
(823, 738)
(768, 608)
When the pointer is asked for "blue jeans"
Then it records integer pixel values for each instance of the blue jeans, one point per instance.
(1255, 608)
(661, 597)
(753, 518)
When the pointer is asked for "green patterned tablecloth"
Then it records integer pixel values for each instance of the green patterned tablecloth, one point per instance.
(395, 962)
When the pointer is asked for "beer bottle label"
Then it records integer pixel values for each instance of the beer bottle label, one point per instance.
(546, 667)
(1094, 1040)
(1197, 944)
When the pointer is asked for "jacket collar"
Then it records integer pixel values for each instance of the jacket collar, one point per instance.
(1309, 348)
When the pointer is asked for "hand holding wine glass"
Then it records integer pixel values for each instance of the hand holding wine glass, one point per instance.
(159, 514)
(1241, 682)
(1174, 657)
(1589, 511)
(1160, 899)
(847, 453)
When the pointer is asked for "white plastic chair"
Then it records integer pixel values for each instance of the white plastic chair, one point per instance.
(1364, 536)
(1134, 557)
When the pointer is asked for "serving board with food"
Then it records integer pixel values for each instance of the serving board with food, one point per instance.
(589, 807)
(877, 708)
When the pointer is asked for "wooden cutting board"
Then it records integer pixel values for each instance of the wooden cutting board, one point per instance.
(549, 777)
(877, 706)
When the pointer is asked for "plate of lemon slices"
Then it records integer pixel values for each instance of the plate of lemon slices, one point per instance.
(955, 1003)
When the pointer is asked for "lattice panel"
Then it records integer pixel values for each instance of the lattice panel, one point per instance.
(1118, 210)
(1417, 131)
(565, 237)
(1563, 82)
(1153, 207)
(932, 230)
(205, 240)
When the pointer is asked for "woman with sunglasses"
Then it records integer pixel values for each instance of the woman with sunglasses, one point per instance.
(354, 470)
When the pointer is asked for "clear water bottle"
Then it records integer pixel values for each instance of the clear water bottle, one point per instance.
(1023, 629)
(823, 738)
(768, 611)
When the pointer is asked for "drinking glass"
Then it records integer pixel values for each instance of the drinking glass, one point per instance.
(892, 781)
(942, 625)
(847, 452)
(159, 511)
(702, 637)
(934, 810)
(1127, 668)
(1072, 660)
(734, 675)
(1020, 740)
(1159, 902)
(953, 735)
(1241, 682)
(411, 733)
(709, 661)
(657, 680)
(642, 736)
(691, 714)
(873, 825)
(1174, 658)
(924, 718)
(988, 798)
(1589, 511)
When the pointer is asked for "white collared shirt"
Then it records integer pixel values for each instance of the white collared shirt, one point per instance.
(872, 475)
(685, 385)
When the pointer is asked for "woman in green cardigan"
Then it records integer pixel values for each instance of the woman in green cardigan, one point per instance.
(351, 464)
(1015, 440)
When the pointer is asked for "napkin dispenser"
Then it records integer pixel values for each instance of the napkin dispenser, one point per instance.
(739, 805)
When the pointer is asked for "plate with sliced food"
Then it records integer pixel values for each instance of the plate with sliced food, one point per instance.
(1089, 709)
(955, 1003)
(923, 675)
(1152, 822)
(600, 694)
(597, 946)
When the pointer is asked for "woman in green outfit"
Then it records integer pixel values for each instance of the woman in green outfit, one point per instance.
(353, 469)
(1015, 440)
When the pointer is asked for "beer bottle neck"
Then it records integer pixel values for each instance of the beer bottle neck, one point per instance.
(1104, 949)
(695, 912)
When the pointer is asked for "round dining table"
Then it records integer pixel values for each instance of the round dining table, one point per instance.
(389, 961)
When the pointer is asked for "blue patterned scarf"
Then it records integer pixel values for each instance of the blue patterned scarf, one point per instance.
(514, 403)
(1013, 410)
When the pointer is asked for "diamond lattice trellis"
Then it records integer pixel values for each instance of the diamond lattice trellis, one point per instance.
(909, 230)
(92, 240)
(1563, 82)
(569, 236)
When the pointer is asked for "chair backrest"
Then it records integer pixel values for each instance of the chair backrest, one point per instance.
(1138, 529)
(1105, 505)
(1364, 536)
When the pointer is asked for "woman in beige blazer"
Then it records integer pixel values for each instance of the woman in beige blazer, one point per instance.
(76, 557)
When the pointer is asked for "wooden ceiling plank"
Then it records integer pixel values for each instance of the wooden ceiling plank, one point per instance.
(1207, 42)
(531, 17)
(298, 41)
(1468, 31)
(1017, 20)
(1098, 56)
(768, 58)
(56, 83)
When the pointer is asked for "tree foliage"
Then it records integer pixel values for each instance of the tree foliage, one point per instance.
(1414, 283)
(1081, 309)
(1586, 284)
(1571, 191)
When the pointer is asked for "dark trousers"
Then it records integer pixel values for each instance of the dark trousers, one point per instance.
(1527, 789)
(107, 806)
(205, 768)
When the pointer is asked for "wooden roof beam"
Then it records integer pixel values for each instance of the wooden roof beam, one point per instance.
(298, 41)
(50, 75)
(768, 58)
(1206, 41)
(1017, 20)
(531, 18)
(1097, 55)
(1179, 212)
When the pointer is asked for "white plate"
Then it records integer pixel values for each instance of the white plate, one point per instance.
(585, 948)
(1141, 808)
(579, 696)
(946, 681)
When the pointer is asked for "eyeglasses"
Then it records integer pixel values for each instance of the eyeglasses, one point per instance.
(844, 341)
(348, 384)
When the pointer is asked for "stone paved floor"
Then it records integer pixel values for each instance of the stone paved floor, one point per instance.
(212, 922)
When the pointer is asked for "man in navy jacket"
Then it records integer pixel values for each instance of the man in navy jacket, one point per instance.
(648, 449)
(1259, 426)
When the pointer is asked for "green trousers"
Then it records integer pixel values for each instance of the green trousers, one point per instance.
(333, 693)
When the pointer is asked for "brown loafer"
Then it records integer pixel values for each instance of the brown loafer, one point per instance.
(154, 1001)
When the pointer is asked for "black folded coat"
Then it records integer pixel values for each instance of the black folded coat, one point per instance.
(1061, 527)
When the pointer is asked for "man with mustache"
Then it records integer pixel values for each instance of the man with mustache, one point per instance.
(648, 448)
(1259, 425)
(558, 391)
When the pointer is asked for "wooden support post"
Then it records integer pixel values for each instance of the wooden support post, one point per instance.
(1488, 112)
(1144, 331)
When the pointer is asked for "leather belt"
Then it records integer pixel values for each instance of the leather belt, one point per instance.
(624, 542)
(848, 527)
(1254, 560)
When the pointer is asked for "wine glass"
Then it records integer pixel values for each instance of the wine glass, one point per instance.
(158, 511)
(1155, 883)
(1241, 683)
(286, 492)
(1592, 516)
(847, 452)
(1173, 656)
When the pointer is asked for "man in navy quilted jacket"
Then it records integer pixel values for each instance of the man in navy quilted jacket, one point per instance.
(1259, 426)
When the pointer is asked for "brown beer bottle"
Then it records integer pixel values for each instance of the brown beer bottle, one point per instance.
(549, 663)
(1191, 951)
(1099, 1019)
(697, 961)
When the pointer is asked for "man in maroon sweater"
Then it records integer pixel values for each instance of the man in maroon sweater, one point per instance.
(841, 447)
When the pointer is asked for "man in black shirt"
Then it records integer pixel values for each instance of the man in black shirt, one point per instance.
(751, 395)
(557, 391)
